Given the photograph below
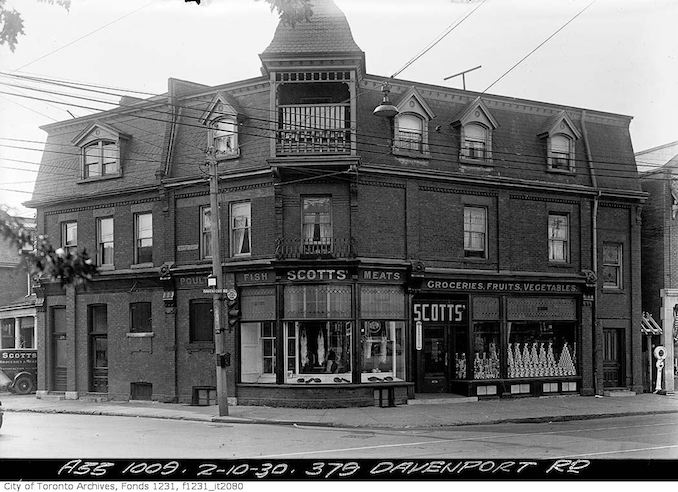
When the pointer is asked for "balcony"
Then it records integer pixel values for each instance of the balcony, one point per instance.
(329, 247)
(313, 129)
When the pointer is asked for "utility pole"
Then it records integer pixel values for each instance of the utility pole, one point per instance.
(217, 272)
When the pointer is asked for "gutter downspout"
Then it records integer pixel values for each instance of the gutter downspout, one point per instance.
(594, 252)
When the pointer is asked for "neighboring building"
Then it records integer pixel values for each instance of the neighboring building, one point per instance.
(473, 243)
(660, 268)
(17, 302)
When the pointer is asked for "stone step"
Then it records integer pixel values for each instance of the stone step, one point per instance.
(441, 400)
(618, 393)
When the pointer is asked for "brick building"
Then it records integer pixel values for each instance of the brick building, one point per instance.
(471, 243)
(659, 234)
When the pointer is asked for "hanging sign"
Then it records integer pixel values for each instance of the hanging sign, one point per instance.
(419, 335)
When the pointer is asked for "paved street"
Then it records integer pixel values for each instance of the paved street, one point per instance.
(27, 435)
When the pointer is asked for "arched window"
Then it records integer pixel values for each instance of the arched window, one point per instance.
(101, 159)
(475, 144)
(560, 152)
(409, 132)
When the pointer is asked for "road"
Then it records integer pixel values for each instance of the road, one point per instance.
(30, 435)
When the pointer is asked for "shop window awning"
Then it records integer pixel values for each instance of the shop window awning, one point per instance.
(648, 326)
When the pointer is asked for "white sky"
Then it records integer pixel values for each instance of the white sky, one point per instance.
(618, 56)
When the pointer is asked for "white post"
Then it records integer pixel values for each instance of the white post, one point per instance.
(17, 332)
(669, 300)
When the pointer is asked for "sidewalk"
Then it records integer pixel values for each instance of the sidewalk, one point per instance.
(545, 409)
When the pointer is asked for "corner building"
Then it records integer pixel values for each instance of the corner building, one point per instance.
(471, 243)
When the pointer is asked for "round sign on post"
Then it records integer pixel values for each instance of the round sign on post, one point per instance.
(660, 352)
(231, 294)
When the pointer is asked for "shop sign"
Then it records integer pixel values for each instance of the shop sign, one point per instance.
(492, 286)
(317, 274)
(439, 311)
(192, 282)
(254, 277)
(381, 275)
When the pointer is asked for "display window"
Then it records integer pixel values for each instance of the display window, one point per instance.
(541, 348)
(486, 350)
(382, 333)
(383, 357)
(318, 351)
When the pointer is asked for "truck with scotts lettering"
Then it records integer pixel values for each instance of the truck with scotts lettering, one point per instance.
(19, 370)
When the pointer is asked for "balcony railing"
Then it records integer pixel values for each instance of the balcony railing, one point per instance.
(313, 129)
(328, 247)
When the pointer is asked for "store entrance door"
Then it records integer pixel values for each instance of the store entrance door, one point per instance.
(612, 358)
(435, 359)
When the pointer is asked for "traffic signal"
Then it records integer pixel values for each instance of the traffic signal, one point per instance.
(233, 313)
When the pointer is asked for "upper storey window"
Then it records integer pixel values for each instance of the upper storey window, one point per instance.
(411, 125)
(221, 118)
(476, 125)
(101, 149)
(560, 134)
(101, 159)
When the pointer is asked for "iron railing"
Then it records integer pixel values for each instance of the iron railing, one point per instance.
(313, 129)
(328, 247)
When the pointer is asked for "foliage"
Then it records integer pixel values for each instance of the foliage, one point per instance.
(12, 24)
(292, 11)
(57, 264)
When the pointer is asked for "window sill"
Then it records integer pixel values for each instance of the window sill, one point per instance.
(140, 334)
(142, 265)
(560, 265)
(227, 156)
(98, 178)
(411, 154)
(203, 346)
(106, 268)
(472, 259)
(476, 162)
(561, 171)
(613, 290)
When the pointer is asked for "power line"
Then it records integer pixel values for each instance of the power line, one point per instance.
(539, 46)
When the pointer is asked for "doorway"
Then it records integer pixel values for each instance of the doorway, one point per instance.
(613, 368)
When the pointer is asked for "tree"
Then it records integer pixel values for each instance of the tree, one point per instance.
(12, 24)
(40, 255)
(292, 11)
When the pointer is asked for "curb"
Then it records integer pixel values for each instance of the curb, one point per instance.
(244, 420)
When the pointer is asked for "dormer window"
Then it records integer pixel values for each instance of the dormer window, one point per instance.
(221, 118)
(410, 132)
(560, 153)
(101, 159)
(475, 133)
(101, 149)
(560, 134)
(225, 139)
(476, 140)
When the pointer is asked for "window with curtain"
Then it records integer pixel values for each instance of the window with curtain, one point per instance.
(409, 133)
(612, 266)
(317, 224)
(475, 142)
(475, 232)
(560, 152)
(225, 139)
(241, 242)
(205, 232)
(558, 237)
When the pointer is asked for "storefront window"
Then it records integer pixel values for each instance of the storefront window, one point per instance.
(382, 334)
(486, 350)
(257, 349)
(318, 351)
(382, 351)
(541, 348)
